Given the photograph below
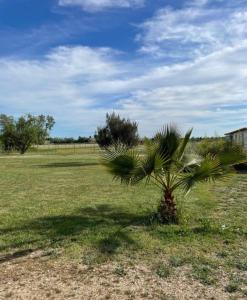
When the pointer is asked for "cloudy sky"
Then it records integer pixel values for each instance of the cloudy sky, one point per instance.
(153, 61)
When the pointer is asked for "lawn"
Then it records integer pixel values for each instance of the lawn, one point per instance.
(65, 204)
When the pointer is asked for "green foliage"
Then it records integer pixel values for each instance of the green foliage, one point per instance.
(163, 271)
(177, 261)
(117, 130)
(119, 271)
(21, 134)
(204, 273)
(232, 287)
(225, 150)
(166, 163)
(70, 140)
(210, 146)
(242, 264)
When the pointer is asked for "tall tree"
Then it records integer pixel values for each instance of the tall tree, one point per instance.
(24, 132)
(167, 164)
(117, 130)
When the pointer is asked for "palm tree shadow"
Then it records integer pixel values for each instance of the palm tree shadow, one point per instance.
(110, 221)
(68, 164)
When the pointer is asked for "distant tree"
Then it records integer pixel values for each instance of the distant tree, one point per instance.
(62, 140)
(7, 132)
(68, 140)
(117, 130)
(82, 139)
(21, 134)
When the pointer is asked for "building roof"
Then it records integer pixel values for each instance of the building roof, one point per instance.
(238, 130)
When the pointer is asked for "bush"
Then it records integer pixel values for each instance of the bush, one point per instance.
(217, 146)
(69, 140)
(222, 148)
(163, 271)
(212, 146)
(117, 130)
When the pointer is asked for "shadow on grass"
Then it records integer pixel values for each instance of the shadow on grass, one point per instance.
(15, 255)
(103, 226)
(69, 164)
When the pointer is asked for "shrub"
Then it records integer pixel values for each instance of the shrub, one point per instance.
(163, 271)
(117, 130)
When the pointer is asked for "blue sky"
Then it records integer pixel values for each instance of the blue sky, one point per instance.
(156, 62)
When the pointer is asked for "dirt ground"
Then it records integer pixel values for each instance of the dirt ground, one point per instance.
(37, 277)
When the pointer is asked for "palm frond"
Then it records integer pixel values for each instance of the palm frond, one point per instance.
(168, 141)
(154, 161)
(183, 145)
(123, 164)
(209, 169)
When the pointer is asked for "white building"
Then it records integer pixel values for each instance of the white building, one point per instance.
(238, 136)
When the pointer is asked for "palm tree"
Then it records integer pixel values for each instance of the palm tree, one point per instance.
(168, 165)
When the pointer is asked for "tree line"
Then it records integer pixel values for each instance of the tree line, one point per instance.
(28, 130)
(21, 134)
(70, 140)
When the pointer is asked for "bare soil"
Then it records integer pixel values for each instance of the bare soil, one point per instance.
(37, 277)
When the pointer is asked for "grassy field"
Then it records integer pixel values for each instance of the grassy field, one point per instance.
(65, 204)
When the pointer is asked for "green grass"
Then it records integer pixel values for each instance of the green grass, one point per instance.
(67, 205)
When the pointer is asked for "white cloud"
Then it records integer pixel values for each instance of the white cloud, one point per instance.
(97, 5)
(78, 85)
(193, 31)
(56, 83)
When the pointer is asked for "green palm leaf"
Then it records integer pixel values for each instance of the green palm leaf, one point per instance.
(183, 145)
(168, 141)
(209, 169)
(123, 164)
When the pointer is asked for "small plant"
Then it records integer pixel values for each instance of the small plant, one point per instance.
(242, 265)
(88, 259)
(231, 287)
(91, 259)
(204, 274)
(222, 254)
(206, 225)
(176, 261)
(163, 271)
(120, 271)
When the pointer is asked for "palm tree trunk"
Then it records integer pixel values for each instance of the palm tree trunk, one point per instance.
(167, 208)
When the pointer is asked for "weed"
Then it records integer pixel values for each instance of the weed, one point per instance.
(242, 265)
(177, 261)
(231, 288)
(222, 254)
(204, 273)
(206, 225)
(163, 271)
(120, 271)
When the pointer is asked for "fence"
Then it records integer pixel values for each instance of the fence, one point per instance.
(67, 146)
(72, 148)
